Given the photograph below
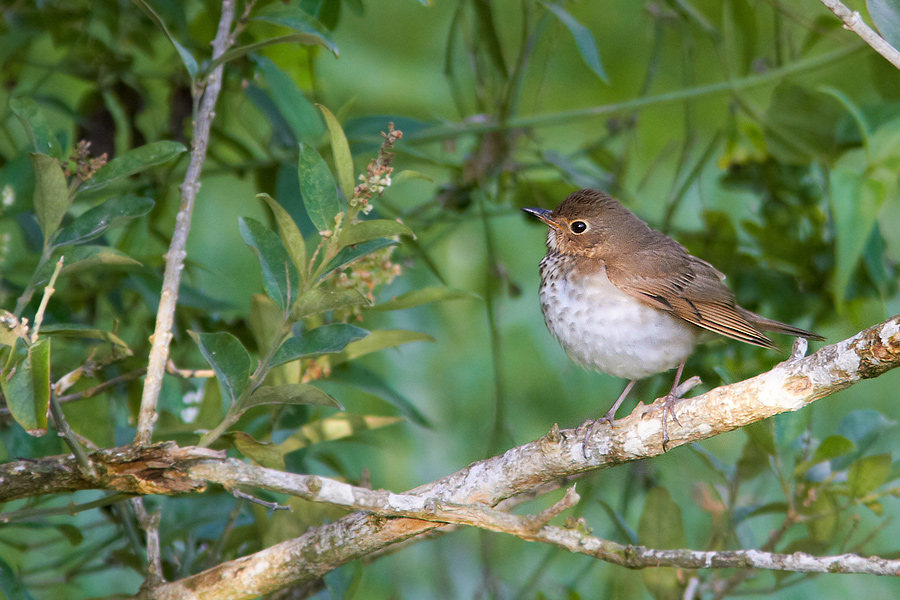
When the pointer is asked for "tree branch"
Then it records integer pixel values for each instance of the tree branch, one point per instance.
(854, 22)
(165, 315)
(467, 496)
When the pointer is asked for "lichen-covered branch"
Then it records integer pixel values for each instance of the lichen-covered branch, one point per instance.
(165, 314)
(791, 385)
(470, 496)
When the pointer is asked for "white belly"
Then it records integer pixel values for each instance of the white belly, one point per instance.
(604, 329)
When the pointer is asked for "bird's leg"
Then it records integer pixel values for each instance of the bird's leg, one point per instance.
(610, 415)
(669, 406)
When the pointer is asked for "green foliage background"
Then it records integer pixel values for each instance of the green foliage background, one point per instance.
(759, 134)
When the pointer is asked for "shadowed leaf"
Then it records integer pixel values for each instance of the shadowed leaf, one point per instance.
(424, 296)
(365, 231)
(317, 301)
(317, 188)
(25, 381)
(133, 161)
(352, 253)
(280, 276)
(95, 221)
(326, 339)
(228, 358)
(290, 235)
(51, 193)
(42, 138)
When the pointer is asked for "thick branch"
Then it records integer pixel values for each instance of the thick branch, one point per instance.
(791, 385)
(853, 22)
(165, 315)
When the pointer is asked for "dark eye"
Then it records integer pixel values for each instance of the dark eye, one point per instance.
(578, 226)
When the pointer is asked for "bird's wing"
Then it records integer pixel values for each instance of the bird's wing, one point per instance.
(670, 279)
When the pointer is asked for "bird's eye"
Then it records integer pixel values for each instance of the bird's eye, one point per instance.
(578, 226)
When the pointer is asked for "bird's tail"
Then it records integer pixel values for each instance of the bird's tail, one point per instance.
(777, 326)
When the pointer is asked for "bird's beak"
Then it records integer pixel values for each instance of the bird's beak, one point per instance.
(543, 214)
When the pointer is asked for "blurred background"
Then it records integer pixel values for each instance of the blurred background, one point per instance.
(759, 134)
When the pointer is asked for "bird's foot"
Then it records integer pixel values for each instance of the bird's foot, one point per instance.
(668, 407)
(593, 426)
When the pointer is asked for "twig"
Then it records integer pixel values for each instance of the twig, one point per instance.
(165, 315)
(853, 22)
(272, 506)
(149, 522)
(48, 291)
(71, 509)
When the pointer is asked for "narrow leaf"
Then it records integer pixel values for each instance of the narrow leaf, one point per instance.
(868, 474)
(305, 39)
(340, 150)
(265, 454)
(74, 330)
(290, 393)
(290, 235)
(380, 340)
(855, 200)
(86, 258)
(298, 20)
(407, 175)
(352, 253)
(583, 39)
(326, 339)
(424, 296)
(334, 428)
(228, 358)
(301, 116)
(190, 63)
(95, 221)
(25, 382)
(51, 193)
(365, 231)
(317, 188)
(317, 301)
(831, 447)
(134, 161)
(353, 374)
(40, 134)
(280, 276)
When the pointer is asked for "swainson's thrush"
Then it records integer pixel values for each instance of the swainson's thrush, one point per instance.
(629, 301)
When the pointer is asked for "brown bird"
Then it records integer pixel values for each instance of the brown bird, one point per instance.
(629, 301)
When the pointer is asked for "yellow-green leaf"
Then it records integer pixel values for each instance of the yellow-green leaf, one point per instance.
(343, 161)
(51, 193)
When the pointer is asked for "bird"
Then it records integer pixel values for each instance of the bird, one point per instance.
(627, 300)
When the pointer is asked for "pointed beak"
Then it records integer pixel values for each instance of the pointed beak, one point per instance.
(543, 214)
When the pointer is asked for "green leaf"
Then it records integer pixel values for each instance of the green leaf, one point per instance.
(583, 39)
(823, 515)
(326, 339)
(51, 193)
(350, 254)
(380, 340)
(334, 428)
(661, 527)
(86, 258)
(95, 221)
(11, 585)
(886, 15)
(74, 330)
(25, 381)
(340, 150)
(361, 378)
(365, 231)
(407, 174)
(762, 434)
(317, 188)
(831, 447)
(868, 474)
(424, 296)
(266, 454)
(228, 358)
(298, 20)
(40, 134)
(280, 276)
(317, 301)
(301, 116)
(856, 198)
(304, 39)
(134, 161)
(290, 393)
(190, 63)
(863, 428)
(290, 235)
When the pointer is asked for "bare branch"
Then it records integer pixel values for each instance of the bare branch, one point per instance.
(854, 22)
(165, 315)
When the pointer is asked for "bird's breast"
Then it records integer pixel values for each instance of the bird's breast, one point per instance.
(603, 328)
